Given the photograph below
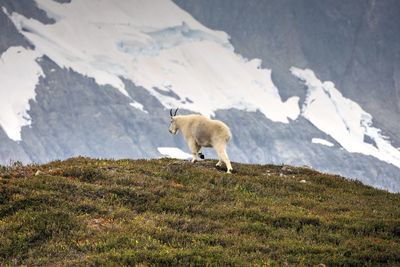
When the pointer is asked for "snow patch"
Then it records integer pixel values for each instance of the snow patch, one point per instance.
(19, 74)
(173, 152)
(321, 142)
(159, 46)
(138, 106)
(343, 119)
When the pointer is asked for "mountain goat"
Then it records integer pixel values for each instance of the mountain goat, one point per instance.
(199, 132)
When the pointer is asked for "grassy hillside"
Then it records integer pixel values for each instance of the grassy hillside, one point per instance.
(169, 212)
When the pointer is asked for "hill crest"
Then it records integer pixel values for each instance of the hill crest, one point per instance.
(85, 211)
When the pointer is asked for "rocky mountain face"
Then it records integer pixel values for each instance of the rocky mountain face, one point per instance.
(353, 44)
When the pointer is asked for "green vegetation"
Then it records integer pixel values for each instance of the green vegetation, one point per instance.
(82, 212)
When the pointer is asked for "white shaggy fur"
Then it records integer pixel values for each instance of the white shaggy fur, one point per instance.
(199, 132)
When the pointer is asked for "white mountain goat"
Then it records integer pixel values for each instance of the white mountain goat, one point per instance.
(199, 132)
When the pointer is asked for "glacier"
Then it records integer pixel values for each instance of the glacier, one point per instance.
(159, 47)
(343, 119)
(19, 74)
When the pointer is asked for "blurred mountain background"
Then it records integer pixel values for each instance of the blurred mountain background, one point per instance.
(313, 83)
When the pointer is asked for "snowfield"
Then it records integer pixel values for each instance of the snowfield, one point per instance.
(160, 47)
(343, 119)
(321, 142)
(19, 74)
(174, 152)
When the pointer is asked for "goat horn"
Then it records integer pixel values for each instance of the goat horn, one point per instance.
(170, 112)
(176, 111)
